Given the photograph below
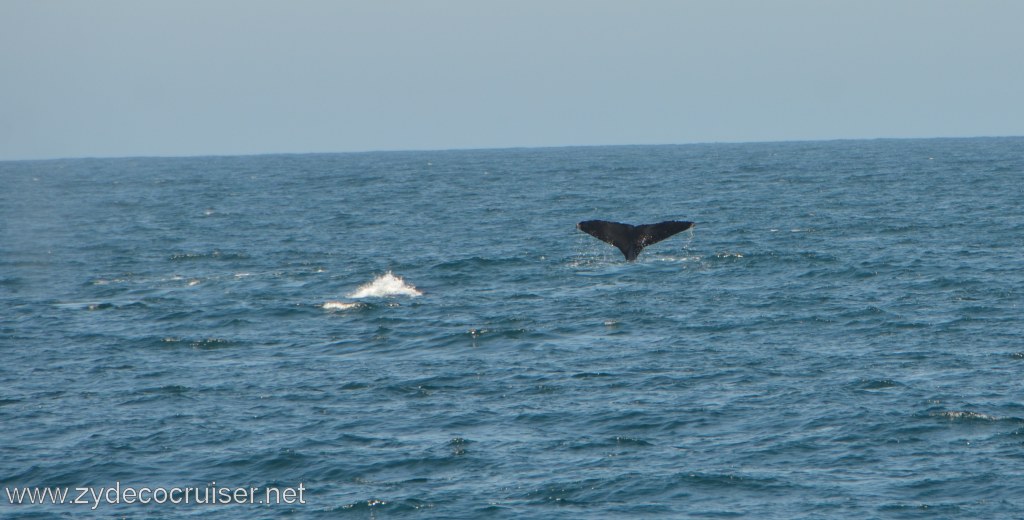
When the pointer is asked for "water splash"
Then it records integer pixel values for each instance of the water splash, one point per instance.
(386, 284)
(340, 306)
(958, 415)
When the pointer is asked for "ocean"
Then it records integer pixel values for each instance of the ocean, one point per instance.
(427, 334)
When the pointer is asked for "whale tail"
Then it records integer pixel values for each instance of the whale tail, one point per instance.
(632, 239)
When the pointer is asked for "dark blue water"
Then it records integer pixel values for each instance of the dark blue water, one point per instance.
(840, 336)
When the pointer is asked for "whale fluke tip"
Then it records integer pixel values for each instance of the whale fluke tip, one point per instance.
(632, 239)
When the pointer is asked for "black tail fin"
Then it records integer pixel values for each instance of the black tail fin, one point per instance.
(632, 239)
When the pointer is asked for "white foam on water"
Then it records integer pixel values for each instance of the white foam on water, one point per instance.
(340, 306)
(386, 284)
(957, 415)
(672, 258)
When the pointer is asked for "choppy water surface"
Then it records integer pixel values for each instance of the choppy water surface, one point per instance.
(427, 335)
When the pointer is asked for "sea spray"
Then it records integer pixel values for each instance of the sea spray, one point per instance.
(385, 285)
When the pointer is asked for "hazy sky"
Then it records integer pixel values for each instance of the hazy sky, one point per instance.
(196, 77)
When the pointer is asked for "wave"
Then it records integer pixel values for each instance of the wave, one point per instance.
(340, 306)
(211, 255)
(384, 285)
(959, 415)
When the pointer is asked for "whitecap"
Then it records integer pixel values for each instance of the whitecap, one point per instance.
(955, 415)
(386, 284)
(339, 306)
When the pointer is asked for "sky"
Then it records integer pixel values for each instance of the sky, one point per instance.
(108, 78)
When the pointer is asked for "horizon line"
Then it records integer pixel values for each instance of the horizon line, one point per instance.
(499, 148)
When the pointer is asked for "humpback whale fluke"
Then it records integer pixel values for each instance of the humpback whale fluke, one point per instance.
(632, 239)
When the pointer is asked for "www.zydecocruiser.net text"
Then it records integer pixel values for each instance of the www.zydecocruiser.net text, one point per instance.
(118, 494)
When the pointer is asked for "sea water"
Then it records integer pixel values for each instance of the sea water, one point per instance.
(427, 335)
